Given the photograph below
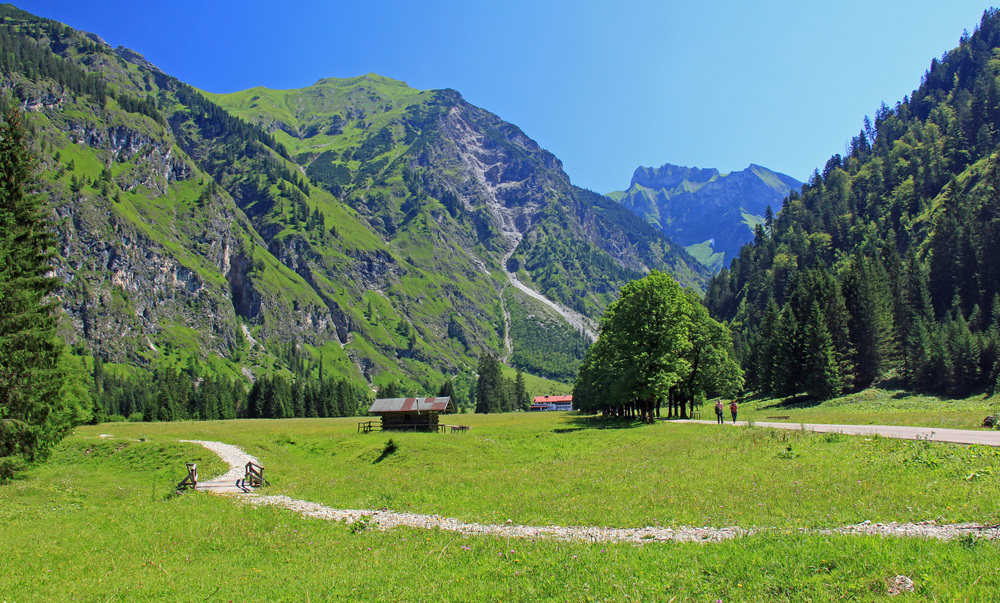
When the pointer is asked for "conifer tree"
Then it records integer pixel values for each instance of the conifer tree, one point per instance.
(522, 400)
(490, 394)
(820, 371)
(33, 415)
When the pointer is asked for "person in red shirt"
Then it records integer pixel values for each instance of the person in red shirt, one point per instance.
(733, 407)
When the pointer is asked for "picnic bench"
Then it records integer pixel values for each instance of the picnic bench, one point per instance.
(778, 417)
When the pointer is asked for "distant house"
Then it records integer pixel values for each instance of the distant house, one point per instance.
(410, 414)
(552, 403)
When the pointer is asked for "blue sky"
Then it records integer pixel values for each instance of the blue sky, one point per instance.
(605, 85)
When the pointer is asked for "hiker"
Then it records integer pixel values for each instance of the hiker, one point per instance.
(718, 412)
(733, 407)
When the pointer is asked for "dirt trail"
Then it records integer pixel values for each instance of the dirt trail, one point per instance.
(385, 519)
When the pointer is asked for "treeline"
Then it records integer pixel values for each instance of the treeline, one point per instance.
(884, 266)
(22, 50)
(278, 398)
(166, 394)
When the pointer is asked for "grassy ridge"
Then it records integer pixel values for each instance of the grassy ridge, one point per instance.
(98, 522)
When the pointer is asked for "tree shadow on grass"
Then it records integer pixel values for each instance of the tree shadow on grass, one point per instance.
(598, 422)
(797, 401)
(390, 449)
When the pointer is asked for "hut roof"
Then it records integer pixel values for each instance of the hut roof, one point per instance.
(557, 399)
(389, 405)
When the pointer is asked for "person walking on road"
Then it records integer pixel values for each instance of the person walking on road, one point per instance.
(733, 407)
(718, 412)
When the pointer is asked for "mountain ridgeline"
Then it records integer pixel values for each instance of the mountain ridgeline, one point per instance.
(373, 227)
(884, 267)
(712, 215)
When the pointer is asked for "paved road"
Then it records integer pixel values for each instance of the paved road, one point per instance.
(935, 434)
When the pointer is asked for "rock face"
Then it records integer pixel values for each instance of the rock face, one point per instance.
(693, 206)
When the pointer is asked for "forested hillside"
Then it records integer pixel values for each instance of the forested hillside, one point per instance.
(885, 266)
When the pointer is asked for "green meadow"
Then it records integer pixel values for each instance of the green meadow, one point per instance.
(874, 406)
(100, 520)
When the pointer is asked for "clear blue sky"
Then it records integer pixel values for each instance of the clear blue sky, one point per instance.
(605, 85)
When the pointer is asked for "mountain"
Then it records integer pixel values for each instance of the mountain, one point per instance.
(712, 215)
(884, 267)
(358, 226)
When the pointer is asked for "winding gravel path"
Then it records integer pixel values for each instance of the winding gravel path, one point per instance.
(385, 519)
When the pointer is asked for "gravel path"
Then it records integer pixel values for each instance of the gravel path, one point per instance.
(385, 519)
(237, 460)
(987, 437)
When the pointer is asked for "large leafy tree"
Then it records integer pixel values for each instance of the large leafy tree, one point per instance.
(33, 414)
(657, 342)
(711, 368)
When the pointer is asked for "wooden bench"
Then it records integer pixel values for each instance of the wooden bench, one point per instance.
(779, 417)
(695, 415)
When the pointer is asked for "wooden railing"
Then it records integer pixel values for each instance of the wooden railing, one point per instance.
(191, 481)
(254, 476)
(370, 426)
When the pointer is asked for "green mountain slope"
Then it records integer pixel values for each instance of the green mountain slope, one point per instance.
(711, 214)
(388, 151)
(884, 267)
(371, 224)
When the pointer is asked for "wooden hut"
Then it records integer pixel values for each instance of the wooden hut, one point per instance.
(410, 414)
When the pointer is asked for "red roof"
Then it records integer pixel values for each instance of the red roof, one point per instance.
(386, 405)
(556, 399)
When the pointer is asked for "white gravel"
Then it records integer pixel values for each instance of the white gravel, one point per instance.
(235, 457)
(384, 519)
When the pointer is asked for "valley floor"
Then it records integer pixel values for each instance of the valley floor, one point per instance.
(100, 520)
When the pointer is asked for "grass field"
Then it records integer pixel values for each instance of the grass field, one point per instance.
(99, 521)
(875, 406)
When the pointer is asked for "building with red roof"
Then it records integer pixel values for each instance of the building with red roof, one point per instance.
(552, 403)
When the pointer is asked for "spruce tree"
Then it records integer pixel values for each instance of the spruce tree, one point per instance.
(33, 416)
(522, 400)
(820, 370)
(490, 395)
